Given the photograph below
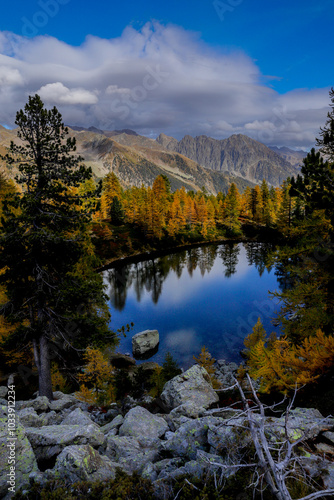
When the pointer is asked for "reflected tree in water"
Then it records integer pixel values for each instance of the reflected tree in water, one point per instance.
(193, 256)
(207, 258)
(119, 279)
(156, 273)
(229, 255)
(258, 254)
(150, 275)
(177, 262)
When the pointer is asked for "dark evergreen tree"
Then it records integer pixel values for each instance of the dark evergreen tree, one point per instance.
(53, 294)
(326, 141)
(316, 187)
(170, 367)
(116, 212)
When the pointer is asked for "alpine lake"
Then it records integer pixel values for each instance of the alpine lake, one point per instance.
(210, 296)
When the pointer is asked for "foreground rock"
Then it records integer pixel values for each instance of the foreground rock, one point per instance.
(133, 454)
(190, 439)
(78, 417)
(301, 421)
(50, 440)
(145, 343)
(82, 463)
(191, 386)
(139, 422)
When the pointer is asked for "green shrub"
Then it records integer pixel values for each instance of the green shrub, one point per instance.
(123, 487)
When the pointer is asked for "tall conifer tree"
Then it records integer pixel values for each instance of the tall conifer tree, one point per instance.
(53, 293)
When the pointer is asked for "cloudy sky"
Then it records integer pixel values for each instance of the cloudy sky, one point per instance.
(254, 67)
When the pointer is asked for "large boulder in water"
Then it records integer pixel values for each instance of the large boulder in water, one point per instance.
(145, 344)
(191, 386)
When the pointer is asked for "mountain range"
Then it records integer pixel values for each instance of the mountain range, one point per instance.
(239, 155)
(192, 162)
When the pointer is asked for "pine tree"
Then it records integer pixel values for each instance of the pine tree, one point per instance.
(257, 204)
(53, 293)
(266, 204)
(232, 209)
(96, 379)
(116, 212)
(326, 141)
(111, 189)
(245, 203)
(282, 366)
(207, 361)
(316, 187)
(285, 210)
(170, 368)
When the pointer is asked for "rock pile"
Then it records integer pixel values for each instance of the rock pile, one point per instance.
(63, 440)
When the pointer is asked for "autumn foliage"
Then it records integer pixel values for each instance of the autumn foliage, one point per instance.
(160, 213)
(96, 379)
(207, 361)
(281, 365)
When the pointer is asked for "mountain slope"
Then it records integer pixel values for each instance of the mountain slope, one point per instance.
(293, 157)
(239, 155)
(192, 162)
(140, 166)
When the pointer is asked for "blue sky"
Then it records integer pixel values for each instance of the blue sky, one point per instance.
(215, 68)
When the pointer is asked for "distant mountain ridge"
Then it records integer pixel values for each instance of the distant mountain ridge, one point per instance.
(107, 133)
(239, 155)
(290, 155)
(138, 160)
(138, 165)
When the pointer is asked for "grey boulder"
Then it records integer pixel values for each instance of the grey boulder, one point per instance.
(191, 386)
(29, 418)
(140, 422)
(3, 391)
(113, 426)
(78, 417)
(83, 463)
(145, 342)
(66, 401)
(306, 422)
(50, 440)
(129, 454)
(41, 403)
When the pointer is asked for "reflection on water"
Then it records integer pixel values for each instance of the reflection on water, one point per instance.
(208, 295)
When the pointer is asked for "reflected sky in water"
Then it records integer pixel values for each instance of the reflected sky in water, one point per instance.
(210, 295)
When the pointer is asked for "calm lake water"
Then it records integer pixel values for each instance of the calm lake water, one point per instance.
(210, 295)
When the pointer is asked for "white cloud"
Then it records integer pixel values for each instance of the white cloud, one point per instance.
(59, 94)
(161, 79)
(257, 125)
(114, 89)
(10, 76)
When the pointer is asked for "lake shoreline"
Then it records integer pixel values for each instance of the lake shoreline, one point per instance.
(153, 254)
(161, 252)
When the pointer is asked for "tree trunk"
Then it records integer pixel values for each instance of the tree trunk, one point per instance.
(42, 360)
